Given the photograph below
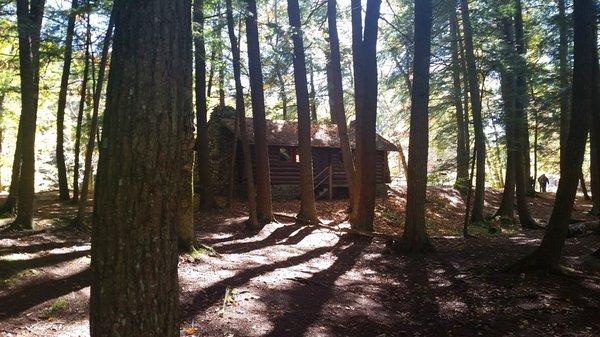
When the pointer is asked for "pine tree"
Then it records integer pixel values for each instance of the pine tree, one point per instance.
(147, 143)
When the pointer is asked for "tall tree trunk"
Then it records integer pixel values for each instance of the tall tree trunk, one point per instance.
(565, 94)
(366, 117)
(2, 98)
(233, 160)
(241, 116)
(477, 214)
(63, 186)
(462, 149)
(29, 23)
(594, 165)
(282, 94)
(498, 168)
(336, 98)
(522, 99)
(211, 72)
(278, 64)
(547, 255)
(313, 95)
(89, 151)
(308, 211)
(263, 172)
(221, 81)
(329, 85)
(536, 130)
(84, 83)
(144, 163)
(357, 67)
(13, 191)
(402, 160)
(584, 189)
(465, 81)
(203, 187)
(506, 211)
(415, 236)
(521, 126)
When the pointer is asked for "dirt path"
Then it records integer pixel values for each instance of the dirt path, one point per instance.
(305, 281)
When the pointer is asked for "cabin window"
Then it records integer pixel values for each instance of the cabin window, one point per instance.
(288, 154)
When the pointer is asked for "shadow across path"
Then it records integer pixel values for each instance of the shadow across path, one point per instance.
(212, 294)
(12, 267)
(34, 248)
(279, 234)
(33, 294)
(309, 298)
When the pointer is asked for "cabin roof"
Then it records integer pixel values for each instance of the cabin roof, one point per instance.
(285, 133)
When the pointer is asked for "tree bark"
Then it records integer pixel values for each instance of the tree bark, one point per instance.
(84, 83)
(29, 23)
(522, 99)
(585, 71)
(13, 191)
(462, 150)
(147, 148)
(521, 127)
(415, 237)
(278, 64)
(203, 187)
(221, 81)
(308, 210)
(366, 117)
(282, 94)
(220, 55)
(63, 186)
(313, 95)
(2, 98)
(336, 99)
(477, 214)
(241, 115)
(565, 94)
(89, 152)
(594, 165)
(465, 81)
(263, 172)
(584, 189)
(506, 211)
(211, 72)
(357, 38)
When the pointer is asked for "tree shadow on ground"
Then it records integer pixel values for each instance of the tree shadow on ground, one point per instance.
(33, 294)
(309, 299)
(238, 235)
(34, 248)
(431, 295)
(20, 234)
(299, 235)
(212, 294)
(12, 267)
(277, 235)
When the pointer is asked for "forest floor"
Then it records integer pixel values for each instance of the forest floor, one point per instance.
(291, 280)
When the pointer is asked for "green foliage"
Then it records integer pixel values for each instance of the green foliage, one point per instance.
(395, 49)
(59, 306)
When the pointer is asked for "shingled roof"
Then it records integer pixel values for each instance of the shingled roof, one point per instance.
(285, 133)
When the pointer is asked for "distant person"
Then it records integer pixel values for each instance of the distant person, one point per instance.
(543, 180)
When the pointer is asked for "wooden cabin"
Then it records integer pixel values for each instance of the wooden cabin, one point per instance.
(282, 136)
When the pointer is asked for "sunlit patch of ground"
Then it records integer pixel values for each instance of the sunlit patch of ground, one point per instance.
(291, 280)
